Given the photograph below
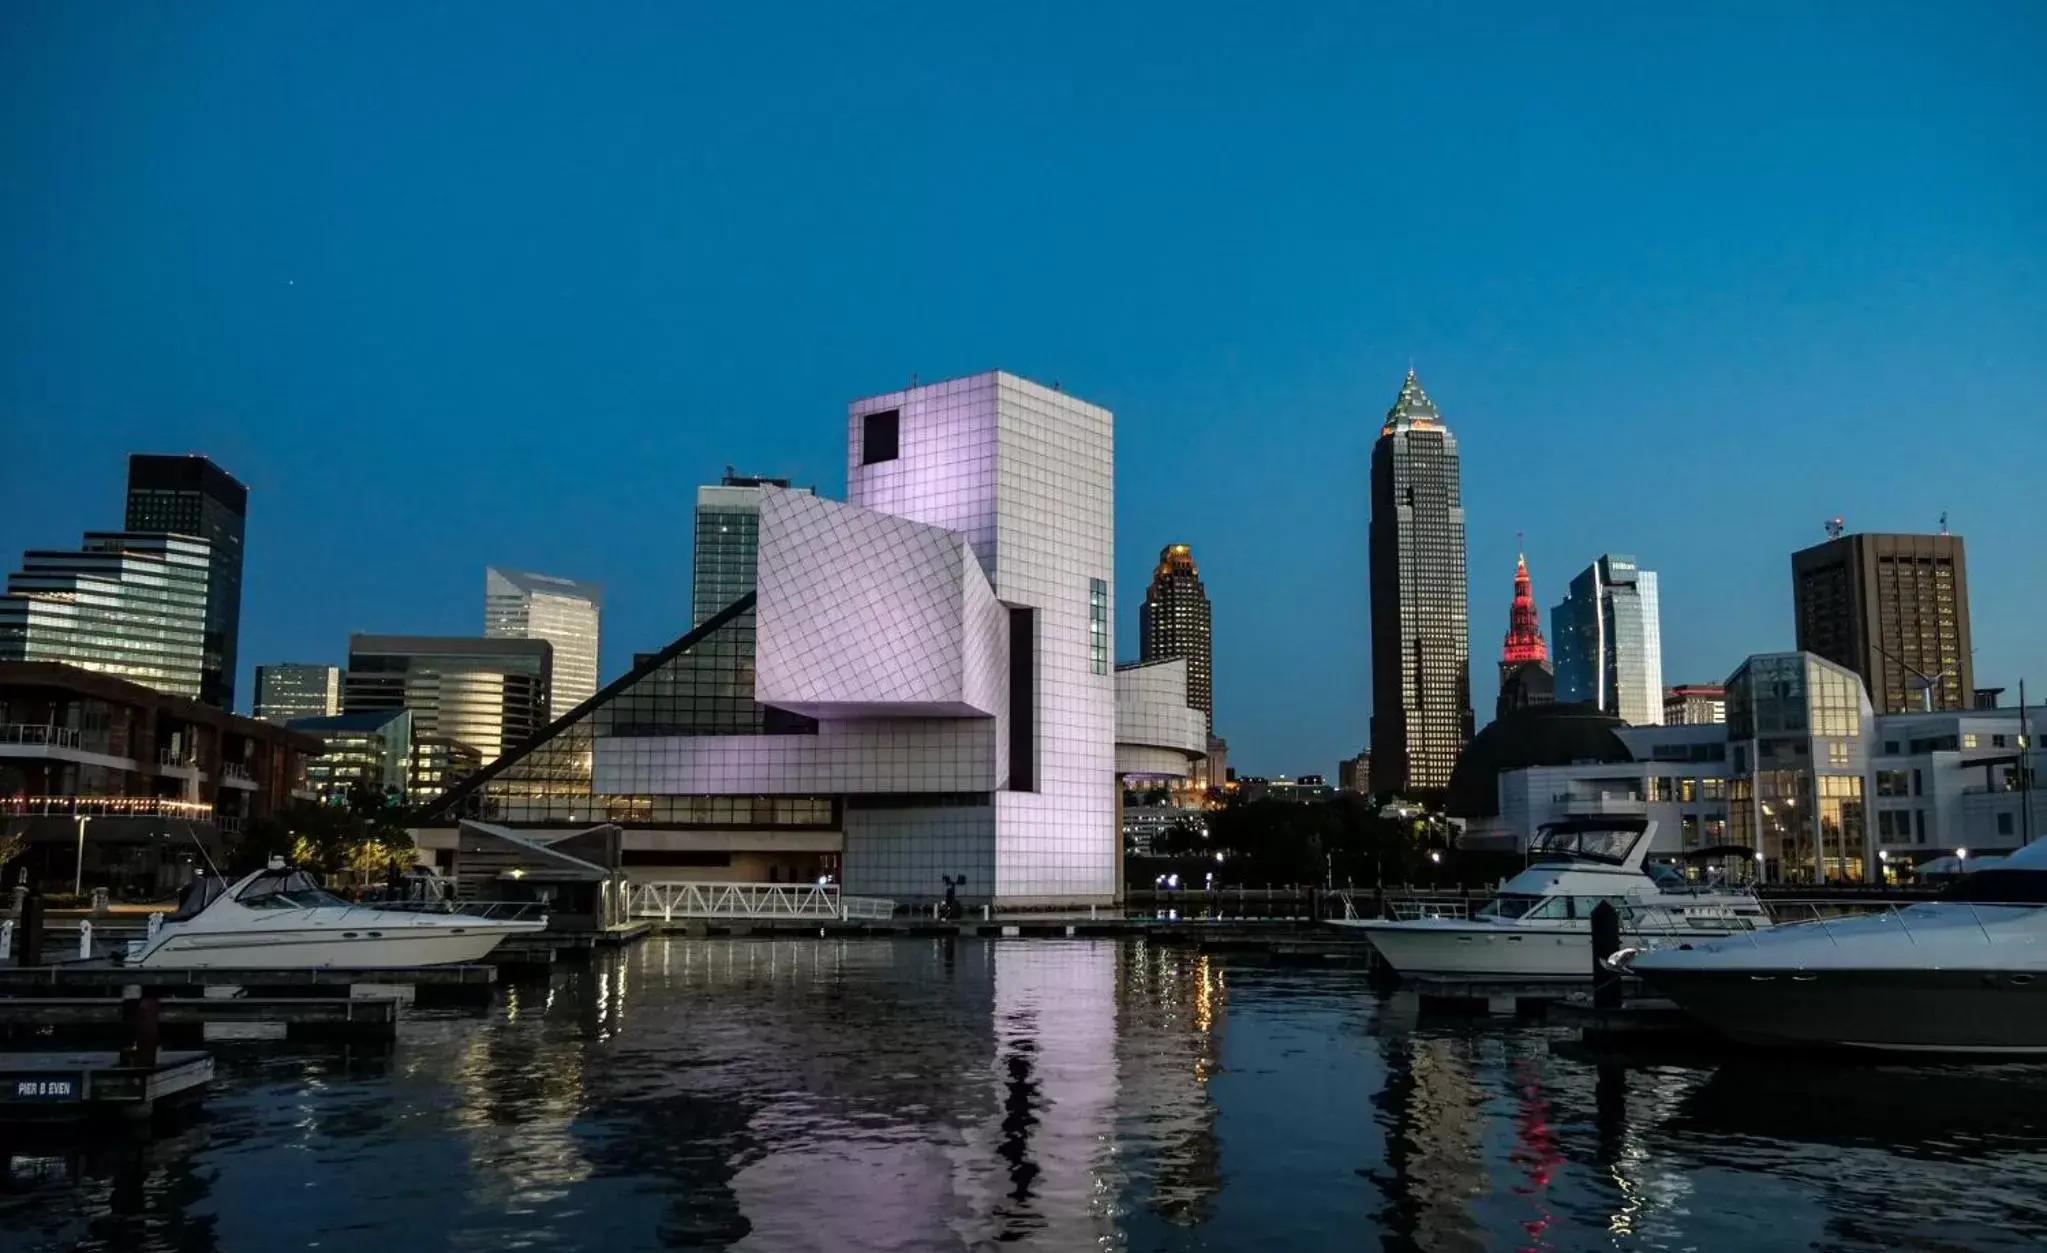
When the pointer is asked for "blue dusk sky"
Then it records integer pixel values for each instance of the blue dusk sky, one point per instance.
(458, 284)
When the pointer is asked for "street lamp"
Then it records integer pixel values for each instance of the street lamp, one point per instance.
(78, 877)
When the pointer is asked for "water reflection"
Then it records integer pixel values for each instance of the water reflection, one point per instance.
(948, 1094)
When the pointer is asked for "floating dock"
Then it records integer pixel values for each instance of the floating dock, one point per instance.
(41, 1086)
(206, 1018)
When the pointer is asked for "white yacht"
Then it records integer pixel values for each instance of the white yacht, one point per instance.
(1540, 925)
(280, 919)
(1963, 974)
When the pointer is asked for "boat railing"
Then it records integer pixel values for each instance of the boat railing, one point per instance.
(1823, 914)
(494, 911)
(1414, 910)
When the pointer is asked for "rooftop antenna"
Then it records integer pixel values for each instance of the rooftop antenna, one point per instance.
(1943, 522)
(1836, 528)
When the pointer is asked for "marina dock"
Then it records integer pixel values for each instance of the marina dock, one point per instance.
(38, 1086)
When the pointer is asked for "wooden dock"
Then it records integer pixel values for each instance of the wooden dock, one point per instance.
(22, 980)
(206, 1018)
(41, 1086)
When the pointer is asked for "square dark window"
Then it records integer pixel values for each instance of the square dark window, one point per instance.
(878, 432)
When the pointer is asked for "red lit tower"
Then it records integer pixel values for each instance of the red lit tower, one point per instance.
(1525, 677)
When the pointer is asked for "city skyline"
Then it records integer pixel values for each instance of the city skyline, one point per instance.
(1619, 323)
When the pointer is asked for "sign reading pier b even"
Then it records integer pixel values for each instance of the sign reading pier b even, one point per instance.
(45, 1088)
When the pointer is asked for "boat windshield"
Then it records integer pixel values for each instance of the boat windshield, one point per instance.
(200, 893)
(1601, 844)
(286, 889)
(1518, 905)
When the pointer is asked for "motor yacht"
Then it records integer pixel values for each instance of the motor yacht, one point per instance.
(1966, 973)
(281, 919)
(1540, 925)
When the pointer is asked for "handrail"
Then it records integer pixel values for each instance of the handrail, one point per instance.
(672, 899)
(38, 733)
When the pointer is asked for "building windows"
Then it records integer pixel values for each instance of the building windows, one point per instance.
(1837, 753)
(2004, 824)
(1891, 783)
(879, 434)
(1969, 740)
(1098, 624)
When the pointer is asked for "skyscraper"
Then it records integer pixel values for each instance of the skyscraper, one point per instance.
(1174, 622)
(189, 495)
(1525, 676)
(488, 694)
(1609, 639)
(133, 606)
(1894, 609)
(294, 689)
(1421, 630)
(728, 539)
(565, 613)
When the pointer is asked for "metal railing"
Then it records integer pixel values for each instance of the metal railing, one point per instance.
(1823, 914)
(236, 770)
(669, 900)
(170, 758)
(496, 911)
(36, 734)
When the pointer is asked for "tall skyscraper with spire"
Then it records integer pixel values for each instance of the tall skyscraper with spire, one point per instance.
(1421, 629)
(1174, 622)
(1525, 676)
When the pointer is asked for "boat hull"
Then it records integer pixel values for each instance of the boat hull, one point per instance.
(321, 948)
(1982, 1011)
(1478, 951)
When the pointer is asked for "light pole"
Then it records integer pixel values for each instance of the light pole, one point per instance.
(78, 877)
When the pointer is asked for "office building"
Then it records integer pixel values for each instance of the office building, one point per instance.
(189, 495)
(1694, 704)
(1354, 774)
(1803, 782)
(939, 646)
(1894, 609)
(1525, 677)
(565, 613)
(297, 689)
(440, 762)
(137, 779)
(728, 523)
(1550, 763)
(1798, 730)
(1421, 637)
(133, 606)
(362, 753)
(1609, 641)
(1174, 621)
(485, 693)
(1955, 785)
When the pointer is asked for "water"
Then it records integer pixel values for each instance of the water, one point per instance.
(919, 1094)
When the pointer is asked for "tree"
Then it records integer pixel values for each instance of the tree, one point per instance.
(11, 845)
(363, 834)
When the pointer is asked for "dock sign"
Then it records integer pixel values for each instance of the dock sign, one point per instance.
(46, 1088)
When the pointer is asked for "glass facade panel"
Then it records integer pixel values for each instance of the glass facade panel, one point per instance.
(701, 685)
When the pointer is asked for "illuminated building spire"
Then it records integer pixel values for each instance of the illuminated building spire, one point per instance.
(1524, 636)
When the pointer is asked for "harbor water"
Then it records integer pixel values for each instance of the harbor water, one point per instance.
(929, 1094)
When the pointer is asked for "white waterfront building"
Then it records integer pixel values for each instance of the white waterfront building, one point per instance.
(916, 691)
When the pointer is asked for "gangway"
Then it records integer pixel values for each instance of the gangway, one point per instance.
(672, 899)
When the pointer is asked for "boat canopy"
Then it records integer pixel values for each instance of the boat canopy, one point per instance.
(1608, 840)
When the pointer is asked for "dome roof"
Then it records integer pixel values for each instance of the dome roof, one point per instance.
(1540, 735)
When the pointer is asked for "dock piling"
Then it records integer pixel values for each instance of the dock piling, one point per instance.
(32, 928)
(1606, 941)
